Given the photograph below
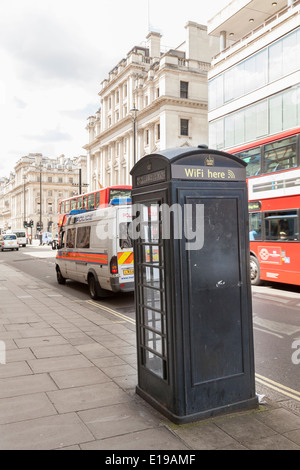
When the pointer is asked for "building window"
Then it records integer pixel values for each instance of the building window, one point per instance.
(184, 88)
(158, 132)
(184, 127)
(147, 136)
(49, 179)
(271, 63)
(60, 180)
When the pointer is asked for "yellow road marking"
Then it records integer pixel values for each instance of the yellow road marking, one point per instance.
(289, 392)
(113, 312)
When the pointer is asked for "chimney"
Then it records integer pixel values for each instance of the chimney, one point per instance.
(199, 46)
(153, 43)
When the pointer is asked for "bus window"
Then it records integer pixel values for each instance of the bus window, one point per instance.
(97, 199)
(255, 226)
(67, 207)
(252, 158)
(62, 208)
(79, 203)
(91, 202)
(84, 202)
(281, 155)
(281, 225)
(119, 193)
(73, 204)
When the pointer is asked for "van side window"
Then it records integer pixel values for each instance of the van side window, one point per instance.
(83, 237)
(125, 240)
(62, 239)
(71, 235)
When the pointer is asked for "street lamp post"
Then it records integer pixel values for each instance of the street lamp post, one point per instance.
(134, 112)
(24, 179)
(41, 210)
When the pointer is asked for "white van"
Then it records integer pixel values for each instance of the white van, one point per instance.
(95, 249)
(21, 236)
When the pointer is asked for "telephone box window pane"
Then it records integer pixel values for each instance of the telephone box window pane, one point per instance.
(152, 276)
(150, 254)
(154, 363)
(154, 320)
(153, 341)
(150, 222)
(152, 298)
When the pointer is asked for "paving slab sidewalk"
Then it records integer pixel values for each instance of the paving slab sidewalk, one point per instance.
(69, 383)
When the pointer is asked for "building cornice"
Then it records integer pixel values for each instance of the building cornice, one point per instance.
(156, 104)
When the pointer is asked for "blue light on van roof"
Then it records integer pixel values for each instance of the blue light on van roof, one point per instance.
(120, 201)
(77, 211)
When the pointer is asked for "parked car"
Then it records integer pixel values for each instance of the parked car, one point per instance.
(9, 242)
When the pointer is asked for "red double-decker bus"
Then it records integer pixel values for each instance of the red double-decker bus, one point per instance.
(94, 200)
(273, 176)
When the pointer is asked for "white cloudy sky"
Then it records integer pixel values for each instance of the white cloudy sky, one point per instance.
(55, 53)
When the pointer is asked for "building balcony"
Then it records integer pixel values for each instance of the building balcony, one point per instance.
(286, 15)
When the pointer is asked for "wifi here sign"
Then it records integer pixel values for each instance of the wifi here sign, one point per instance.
(208, 173)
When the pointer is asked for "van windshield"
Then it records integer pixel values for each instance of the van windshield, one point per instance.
(20, 234)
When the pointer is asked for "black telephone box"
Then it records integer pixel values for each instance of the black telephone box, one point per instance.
(192, 283)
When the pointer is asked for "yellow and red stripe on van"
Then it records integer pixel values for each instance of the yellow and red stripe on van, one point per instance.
(92, 258)
(125, 258)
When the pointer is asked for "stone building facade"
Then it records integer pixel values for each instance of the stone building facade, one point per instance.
(163, 93)
(20, 192)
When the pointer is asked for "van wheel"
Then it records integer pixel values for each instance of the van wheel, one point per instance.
(255, 271)
(93, 288)
(60, 279)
